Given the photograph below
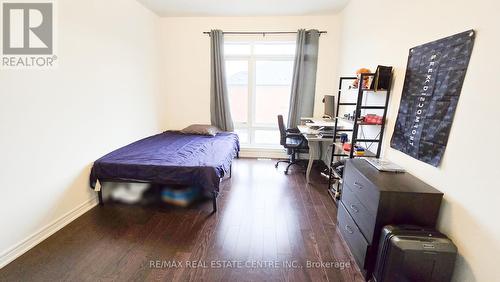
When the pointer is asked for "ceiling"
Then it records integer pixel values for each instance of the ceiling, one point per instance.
(197, 8)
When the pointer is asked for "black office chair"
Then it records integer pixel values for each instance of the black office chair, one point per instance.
(293, 141)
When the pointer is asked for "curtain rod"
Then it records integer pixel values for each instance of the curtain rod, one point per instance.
(260, 32)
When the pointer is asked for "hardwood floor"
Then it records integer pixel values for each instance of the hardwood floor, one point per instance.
(268, 227)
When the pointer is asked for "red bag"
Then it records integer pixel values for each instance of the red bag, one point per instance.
(372, 119)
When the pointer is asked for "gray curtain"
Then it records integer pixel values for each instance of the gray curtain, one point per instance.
(220, 114)
(304, 77)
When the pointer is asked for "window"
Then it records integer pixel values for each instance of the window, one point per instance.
(259, 78)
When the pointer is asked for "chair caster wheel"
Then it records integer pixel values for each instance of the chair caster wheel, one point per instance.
(276, 165)
(285, 172)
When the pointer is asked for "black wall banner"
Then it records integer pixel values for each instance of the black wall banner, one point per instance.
(434, 76)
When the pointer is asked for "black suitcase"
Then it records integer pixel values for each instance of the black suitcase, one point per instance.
(410, 253)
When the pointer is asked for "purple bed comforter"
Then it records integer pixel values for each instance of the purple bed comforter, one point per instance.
(170, 158)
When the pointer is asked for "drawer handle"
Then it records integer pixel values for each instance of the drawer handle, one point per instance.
(353, 207)
(349, 229)
(358, 185)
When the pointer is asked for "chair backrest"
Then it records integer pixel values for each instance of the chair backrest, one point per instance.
(282, 128)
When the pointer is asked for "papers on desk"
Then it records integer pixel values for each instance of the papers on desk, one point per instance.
(308, 130)
(311, 133)
(310, 121)
(317, 128)
(325, 134)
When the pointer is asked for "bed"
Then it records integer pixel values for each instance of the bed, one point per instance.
(170, 158)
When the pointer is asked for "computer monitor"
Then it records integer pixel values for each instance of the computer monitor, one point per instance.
(329, 101)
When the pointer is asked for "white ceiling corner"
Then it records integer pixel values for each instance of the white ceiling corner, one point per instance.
(226, 8)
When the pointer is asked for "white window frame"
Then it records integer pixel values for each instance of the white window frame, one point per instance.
(251, 126)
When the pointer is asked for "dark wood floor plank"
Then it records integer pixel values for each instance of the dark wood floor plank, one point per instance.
(333, 250)
(263, 216)
(309, 240)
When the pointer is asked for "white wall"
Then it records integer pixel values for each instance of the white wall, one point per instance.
(382, 32)
(105, 94)
(55, 123)
(186, 81)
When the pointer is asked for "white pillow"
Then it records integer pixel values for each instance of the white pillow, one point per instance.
(201, 129)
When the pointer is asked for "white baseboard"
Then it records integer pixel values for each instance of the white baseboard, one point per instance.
(46, 231)
(268, 153)
(263, 153)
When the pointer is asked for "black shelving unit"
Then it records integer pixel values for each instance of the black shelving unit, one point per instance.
(335, 180)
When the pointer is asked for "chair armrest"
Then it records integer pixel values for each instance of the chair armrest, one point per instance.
(297, 136)
(293, 130)
(289, 134)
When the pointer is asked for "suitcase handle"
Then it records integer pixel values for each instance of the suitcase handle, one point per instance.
(349, 229)
(353, 207)
(358, 185)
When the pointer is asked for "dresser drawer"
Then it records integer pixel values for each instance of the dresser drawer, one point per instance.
(361, 215)
(365, 191)
(352, 236)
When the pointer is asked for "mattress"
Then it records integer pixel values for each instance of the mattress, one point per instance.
(170, 158)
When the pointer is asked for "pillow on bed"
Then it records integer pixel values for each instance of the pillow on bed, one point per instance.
(201, 129)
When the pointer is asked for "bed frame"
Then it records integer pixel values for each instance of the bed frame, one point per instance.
(214, 195)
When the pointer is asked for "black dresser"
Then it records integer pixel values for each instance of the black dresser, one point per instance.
(372, 199)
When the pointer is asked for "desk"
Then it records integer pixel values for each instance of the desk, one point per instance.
(311, 121)
(311, 135)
